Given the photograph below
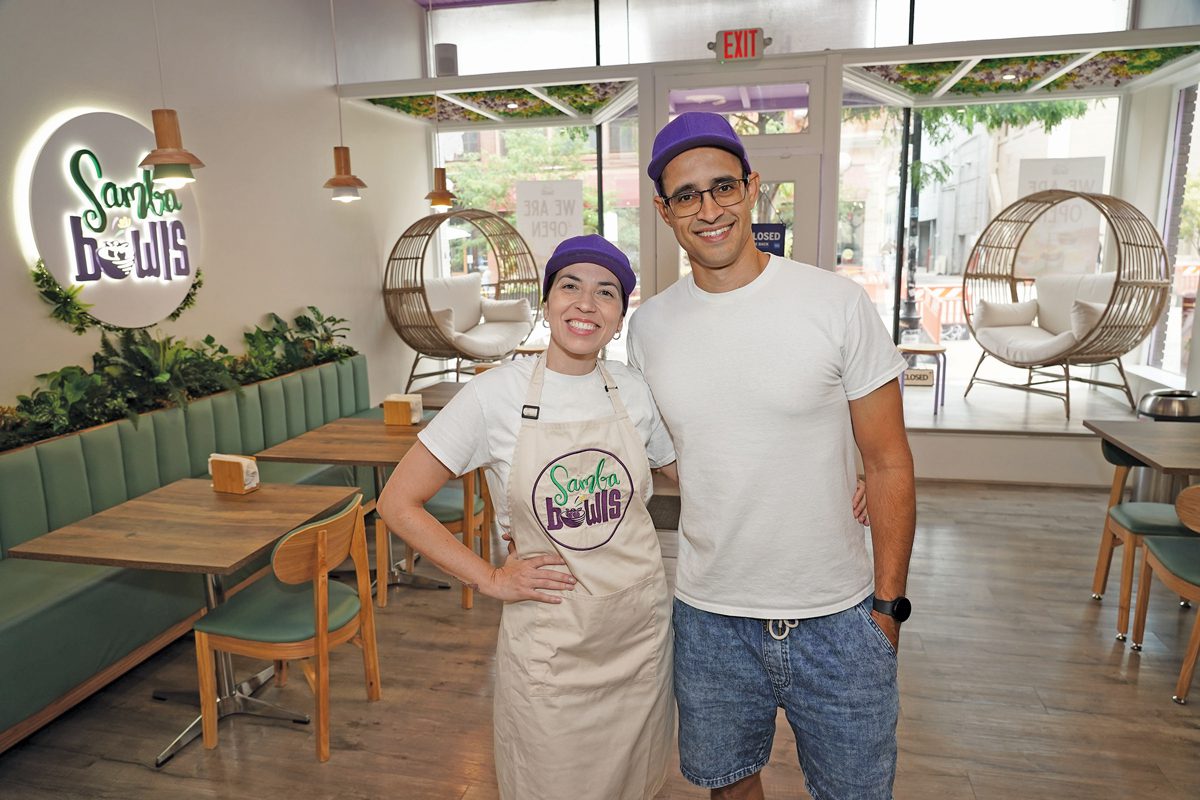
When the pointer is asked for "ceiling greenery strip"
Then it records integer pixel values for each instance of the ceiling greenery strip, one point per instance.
(510, 103)
(1115, 67)
(988, 76)
(422, 106)
(586, 97)
(919, 79)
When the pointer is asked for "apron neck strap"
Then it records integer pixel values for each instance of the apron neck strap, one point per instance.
(531, 409)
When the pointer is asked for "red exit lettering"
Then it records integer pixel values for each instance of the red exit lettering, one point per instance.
(736, 45)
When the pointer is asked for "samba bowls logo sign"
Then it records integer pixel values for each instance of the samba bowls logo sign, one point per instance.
(100, 223)
(580, 498)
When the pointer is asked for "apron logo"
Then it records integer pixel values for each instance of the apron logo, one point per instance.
(580, 498)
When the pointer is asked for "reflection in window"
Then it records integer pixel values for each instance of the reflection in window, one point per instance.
(1171, 343)
(752, 110)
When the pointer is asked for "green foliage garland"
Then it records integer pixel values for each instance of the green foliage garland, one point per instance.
(137, 370)
(66, 307)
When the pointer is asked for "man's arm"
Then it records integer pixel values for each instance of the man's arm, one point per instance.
(878, 420)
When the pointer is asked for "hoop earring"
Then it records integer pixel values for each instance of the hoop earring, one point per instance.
(545, 323)
(616, 336)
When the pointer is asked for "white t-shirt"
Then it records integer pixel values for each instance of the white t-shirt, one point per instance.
(754, 385)
(479, 427)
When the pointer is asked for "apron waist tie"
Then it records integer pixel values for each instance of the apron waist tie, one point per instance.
(780, 628)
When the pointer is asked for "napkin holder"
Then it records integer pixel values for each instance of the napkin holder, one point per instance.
(233, 477)
(402, 410)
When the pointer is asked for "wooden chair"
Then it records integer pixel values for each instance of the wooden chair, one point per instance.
(1176, 562)
(463, 508)
(1123, 462)
(1129, 525)
(278, 619)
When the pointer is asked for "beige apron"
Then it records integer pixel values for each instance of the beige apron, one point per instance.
(583, 706)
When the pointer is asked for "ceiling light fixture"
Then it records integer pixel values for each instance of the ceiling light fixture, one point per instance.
(441, 199)
(344, 183)
(172, 164)
(1008, 76)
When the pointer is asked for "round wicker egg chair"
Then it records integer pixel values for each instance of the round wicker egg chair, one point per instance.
(1140, 286)
(407, 303)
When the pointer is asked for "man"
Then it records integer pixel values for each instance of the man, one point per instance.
(768, 373)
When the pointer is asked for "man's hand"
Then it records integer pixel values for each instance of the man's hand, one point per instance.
(889, 626)
(521, 578)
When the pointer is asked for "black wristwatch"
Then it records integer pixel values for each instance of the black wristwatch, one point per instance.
(899, 609)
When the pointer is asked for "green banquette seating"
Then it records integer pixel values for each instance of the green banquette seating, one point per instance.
(68, 629)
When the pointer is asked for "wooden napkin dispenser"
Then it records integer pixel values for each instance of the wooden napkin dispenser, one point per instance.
(229, 477)
(402, 409)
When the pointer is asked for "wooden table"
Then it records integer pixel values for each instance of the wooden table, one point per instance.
(187, 527)
(355, 441)
(1172, 448)
(439, 394)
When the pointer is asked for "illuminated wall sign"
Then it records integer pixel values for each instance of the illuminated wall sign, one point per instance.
(743, 44)
(99, 223)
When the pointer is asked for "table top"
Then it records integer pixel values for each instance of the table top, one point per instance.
(439, 394)
(347, 441)
(1170, 447)
(187, 527)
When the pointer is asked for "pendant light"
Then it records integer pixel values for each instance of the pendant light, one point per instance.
(344, 183)
(440, 199)
(172, 164)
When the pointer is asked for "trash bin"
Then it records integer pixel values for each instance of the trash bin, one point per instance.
(1175, 405)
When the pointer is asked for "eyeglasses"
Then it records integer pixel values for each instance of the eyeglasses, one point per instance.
(688, 203)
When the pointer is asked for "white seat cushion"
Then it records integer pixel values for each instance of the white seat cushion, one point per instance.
(1056, 293)
(492, 339)
(460, 294)
(994, 315)
(1024, 344)
(1085, 316)
(507, 310)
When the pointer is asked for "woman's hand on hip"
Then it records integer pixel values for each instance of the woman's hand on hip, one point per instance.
(521, 578)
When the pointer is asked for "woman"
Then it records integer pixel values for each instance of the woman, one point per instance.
(583, 702)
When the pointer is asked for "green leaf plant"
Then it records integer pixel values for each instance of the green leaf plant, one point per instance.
(138, 370)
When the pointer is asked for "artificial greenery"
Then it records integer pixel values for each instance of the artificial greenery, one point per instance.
(68, 308)
(586, 97)
(137, 370)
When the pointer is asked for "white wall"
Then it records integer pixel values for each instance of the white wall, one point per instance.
(253, 85)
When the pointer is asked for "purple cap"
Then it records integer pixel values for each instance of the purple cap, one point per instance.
(591, 249)
(688, 131)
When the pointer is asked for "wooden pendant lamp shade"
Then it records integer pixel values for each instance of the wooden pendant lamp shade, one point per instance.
(168, 158)
(342, 177)
(441, 198)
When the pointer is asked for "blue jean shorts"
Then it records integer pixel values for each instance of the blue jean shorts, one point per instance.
(834, 676)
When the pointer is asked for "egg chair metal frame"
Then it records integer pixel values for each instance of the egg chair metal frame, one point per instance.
(407, 304)
(1141, 288)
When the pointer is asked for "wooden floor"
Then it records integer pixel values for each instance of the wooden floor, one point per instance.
(1012, 687)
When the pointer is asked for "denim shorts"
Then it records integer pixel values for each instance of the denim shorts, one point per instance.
(834, 676)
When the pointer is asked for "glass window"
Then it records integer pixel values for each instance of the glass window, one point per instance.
(752, 110)
(1171, 343)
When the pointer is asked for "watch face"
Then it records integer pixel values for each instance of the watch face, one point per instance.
(901, 609)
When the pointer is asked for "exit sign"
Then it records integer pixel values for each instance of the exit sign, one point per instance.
(744, 44)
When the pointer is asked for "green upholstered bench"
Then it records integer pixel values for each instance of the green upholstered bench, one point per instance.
(68, 629)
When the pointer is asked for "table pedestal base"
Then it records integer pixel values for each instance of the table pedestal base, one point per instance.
(236, 703)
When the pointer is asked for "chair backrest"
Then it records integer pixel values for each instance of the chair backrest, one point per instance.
(1057, 292)
(461, 294)
(315, 548)
(1187, 506)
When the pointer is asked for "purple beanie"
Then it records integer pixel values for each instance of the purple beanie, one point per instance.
(688, 131)
(591, 249)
